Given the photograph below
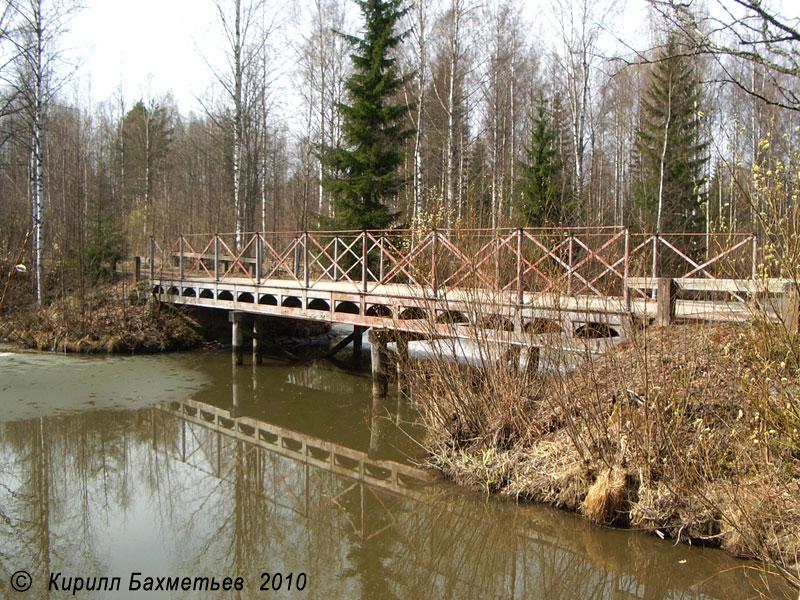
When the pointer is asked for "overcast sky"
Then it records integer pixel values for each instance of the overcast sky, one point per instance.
(150, 47)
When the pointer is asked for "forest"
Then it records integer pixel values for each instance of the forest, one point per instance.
(509, 117)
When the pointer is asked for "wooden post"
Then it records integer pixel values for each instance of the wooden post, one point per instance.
(216, 257)
(257, 359)
(180, 258)
(137, 268)
(237, 338)
(377, 342)
(665, 308)
(789, 310)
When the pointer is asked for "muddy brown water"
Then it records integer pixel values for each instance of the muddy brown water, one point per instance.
(102, 475)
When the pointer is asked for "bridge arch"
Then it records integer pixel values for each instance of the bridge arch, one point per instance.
(346, 307)
(190, 292)
(225, 295)
(207, 293)
(452, 317)
(291, 302)
(497, 322)
(318, 304)
(246, 297)
(540, 326)
(268, 299)
(157, 289)
(593, 330)
(379, 310)
(413, 313)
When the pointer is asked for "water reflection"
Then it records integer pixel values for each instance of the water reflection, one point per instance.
(194, 487)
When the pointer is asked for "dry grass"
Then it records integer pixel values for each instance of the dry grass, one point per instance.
(103, 322)
(689, 431)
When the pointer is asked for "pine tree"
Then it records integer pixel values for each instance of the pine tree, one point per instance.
(541, 201)
(671, 151)
(364, 174)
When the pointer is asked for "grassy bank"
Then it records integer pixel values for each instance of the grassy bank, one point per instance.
(691, 432)
(108, 319)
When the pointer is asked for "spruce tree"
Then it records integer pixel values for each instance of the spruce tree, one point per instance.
(365, 170)
(671, 151)
(541, 202)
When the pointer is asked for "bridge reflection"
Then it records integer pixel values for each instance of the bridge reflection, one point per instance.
(206, 491)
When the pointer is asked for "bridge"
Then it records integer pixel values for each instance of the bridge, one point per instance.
(500, 284)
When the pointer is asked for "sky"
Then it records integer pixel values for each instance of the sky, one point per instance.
(145, 46)
(150, 47)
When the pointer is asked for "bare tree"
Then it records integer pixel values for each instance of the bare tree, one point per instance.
(37, 27)
(743, 30)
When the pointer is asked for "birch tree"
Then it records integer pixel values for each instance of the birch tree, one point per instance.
(38, 25)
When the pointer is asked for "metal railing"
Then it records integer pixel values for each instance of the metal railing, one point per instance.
(593, 261)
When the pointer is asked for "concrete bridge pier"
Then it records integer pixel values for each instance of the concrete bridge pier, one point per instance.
(358, 336)
(379, 354)
(257, 350)
(237, 320)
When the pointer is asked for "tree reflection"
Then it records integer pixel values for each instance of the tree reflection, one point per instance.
(229, 504)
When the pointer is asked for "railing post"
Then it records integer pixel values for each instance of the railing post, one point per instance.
(259, 258)
(380, 267)
(519, 267)
(626, 273)
(305, 260)
(434, 278)
(336, 258)
(656, 269)
(180, 257)
(216, 257)
(570, 262)
(152, 258)
(364, 256)
(295, 257)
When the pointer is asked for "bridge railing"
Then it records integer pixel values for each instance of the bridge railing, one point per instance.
(594, 261)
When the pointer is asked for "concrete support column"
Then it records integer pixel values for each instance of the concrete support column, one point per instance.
(358, 333)
(237, 337)
(377, 342)
(402, 356)
(257, 331)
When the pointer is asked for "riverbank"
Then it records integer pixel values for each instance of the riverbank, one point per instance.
(108, 320)
(690, 432)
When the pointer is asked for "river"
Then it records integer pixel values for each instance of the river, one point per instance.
(287, 476)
